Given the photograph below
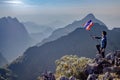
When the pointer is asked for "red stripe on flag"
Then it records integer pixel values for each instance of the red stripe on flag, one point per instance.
(88, 27)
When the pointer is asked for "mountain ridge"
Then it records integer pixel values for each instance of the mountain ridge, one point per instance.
(37, 59)
(14, 37)
(38, 32)
(44, 56)
(70, 27)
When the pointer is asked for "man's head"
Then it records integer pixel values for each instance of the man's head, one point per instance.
(104, 33)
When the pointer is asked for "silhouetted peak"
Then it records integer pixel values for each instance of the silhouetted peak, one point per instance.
(93, 18)
(8, 18)
(12, 19)
(90, 16)
(15, 19)
(3, 19)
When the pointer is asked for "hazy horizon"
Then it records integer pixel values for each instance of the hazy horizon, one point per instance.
(46, 12)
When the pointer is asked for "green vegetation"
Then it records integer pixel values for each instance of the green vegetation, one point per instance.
(72, 65)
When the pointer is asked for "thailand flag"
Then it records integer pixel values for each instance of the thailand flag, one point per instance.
(88, 25)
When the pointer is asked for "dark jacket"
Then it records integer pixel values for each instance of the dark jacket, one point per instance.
(103, 42)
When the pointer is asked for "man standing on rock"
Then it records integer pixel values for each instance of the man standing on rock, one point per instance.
(101, 47)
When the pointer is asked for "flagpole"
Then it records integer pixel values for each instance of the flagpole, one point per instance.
(91, 35)
(88, 26)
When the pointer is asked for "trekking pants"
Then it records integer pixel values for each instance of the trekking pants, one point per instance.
(100, 50)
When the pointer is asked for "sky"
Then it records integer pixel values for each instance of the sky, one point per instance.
(48, 12)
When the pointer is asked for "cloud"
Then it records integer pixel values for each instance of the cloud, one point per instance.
(16, 2)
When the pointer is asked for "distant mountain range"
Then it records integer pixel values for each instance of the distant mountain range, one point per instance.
(14, 38)
(69, 28)
(36, 28)
(37, 59)
(3, 61)
(57, 24)
(38, 32)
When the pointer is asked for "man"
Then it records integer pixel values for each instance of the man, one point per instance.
(101, 47)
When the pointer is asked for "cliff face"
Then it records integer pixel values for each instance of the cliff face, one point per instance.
(14, 38)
